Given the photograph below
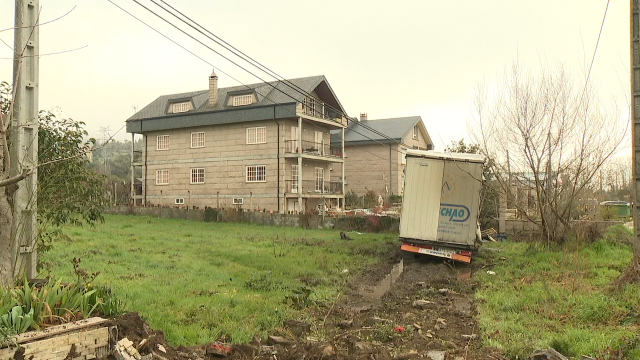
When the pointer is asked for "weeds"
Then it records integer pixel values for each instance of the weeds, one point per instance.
(248, 289)
(559, 297)
(29, 306)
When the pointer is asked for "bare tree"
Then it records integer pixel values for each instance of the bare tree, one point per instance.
(548, 137)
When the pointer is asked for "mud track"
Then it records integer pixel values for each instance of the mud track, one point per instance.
(428, 312)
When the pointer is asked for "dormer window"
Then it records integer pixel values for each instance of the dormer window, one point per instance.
(180, 107)
(240, 100)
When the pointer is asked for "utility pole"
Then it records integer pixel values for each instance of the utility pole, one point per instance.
(24, 136)
(635, 114)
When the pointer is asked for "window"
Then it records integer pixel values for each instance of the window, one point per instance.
(162, 142)
(415, 132)
(238, 201)
(197, 139)
(257, 173)
(404, 157)
(319, 179)
(179, 201)
(162, 177)
(180, 107)
(197, 176)
(294, 178)
(257, 135)
(240, 100)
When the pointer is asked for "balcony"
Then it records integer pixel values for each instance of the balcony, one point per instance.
(314, 188)
(312, 148)
(317, 110)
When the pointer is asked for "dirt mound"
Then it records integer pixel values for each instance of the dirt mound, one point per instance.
(132, 327)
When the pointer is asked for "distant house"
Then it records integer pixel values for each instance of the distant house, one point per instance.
(260, 146)
(376, 152)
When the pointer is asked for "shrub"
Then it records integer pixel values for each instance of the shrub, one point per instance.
(351, 199)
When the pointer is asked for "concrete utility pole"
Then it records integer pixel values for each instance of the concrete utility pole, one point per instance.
(24, 136)
(635, 114)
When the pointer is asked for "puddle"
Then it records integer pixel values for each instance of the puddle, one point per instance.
(377, 291)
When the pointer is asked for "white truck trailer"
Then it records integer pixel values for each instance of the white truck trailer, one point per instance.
(441, 204)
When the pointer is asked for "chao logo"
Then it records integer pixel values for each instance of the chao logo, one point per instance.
(455, 213)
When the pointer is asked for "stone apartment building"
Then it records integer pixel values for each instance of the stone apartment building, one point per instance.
(264, 146)
(377, 148)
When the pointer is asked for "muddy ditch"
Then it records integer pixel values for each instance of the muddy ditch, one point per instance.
(399, 309)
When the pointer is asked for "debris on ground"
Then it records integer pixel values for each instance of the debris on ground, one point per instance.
(548, 354)
(297, 328)
(124, 350)
(436, 355)
(218, 349)
(427, 313)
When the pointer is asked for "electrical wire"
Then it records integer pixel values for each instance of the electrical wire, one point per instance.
(243, 68)
(595, 50)
(257, 64)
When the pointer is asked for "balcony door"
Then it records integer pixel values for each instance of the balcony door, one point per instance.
(294, 178)
(319, 179)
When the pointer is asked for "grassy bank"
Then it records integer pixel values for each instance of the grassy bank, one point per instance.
(559, 298)
(199, 281)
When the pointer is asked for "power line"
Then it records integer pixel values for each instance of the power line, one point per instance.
(253, 62)
(595, 50)
(243, 68)
(175, 42)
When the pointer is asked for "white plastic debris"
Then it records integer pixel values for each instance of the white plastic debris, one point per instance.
(491, 272)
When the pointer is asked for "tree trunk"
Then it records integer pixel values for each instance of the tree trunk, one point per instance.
(6, 216)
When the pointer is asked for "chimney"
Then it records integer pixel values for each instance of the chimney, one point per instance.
(363, 116)
(213, 88)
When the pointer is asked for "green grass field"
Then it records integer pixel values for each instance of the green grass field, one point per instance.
(199, 281)
(560, 298)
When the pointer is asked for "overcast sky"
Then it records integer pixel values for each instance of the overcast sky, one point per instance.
(386, 58)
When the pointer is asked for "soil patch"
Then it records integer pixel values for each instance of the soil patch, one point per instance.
(428, 312)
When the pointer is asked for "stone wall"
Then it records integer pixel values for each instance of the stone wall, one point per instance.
(346, 223)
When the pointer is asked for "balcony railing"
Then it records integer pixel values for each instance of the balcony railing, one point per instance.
(311, 148)
(314, 187)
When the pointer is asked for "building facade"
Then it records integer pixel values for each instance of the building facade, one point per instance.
(376, 153)
(260, 147)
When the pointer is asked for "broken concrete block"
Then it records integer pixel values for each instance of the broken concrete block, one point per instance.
(548, 354)
(436, 355)
(424, 304)
(376, 320)
(278, 340)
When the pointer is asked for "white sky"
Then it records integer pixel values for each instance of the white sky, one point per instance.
(386, 58)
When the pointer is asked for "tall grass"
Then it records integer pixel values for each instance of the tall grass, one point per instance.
(559, 297)
(200, 281)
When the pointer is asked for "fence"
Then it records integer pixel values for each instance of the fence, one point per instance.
(307, 221)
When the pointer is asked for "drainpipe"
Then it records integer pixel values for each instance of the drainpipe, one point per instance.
(300, 172)
(278, 134)
(344, 191)
(145, 168)
(133, 169)
(390, 173)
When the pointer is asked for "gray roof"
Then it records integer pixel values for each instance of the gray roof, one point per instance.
(267, 94)
(394, 128)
